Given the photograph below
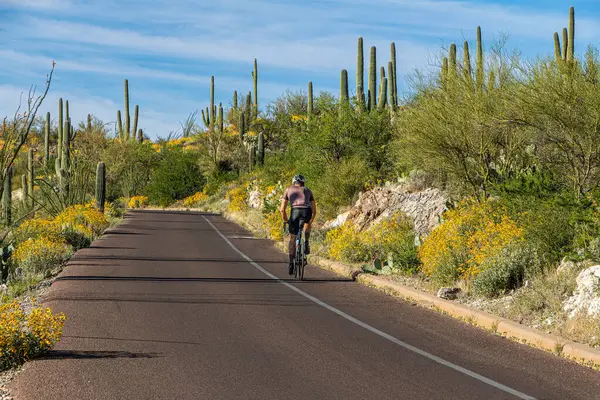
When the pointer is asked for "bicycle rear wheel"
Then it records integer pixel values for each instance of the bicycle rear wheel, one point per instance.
(297, 260)
(302, 259)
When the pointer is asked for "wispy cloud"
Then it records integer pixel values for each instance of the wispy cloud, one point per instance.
(171, 58)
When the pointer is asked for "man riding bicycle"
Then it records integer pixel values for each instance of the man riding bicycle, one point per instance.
(303, 206)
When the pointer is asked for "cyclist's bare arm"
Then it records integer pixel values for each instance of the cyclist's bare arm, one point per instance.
(283, 209)
(313, 206)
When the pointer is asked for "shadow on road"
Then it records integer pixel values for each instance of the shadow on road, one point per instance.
(170, 259)
(208, 280)
(74, 354)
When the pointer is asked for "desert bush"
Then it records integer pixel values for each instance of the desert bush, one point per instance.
(463, 245)
(40, 255)
(236, 197)
(177, 176)
(194, 199)
(34, 228)
(392, 238)
(507, 270)
(138, 202)
(86, 220)
(25, 336)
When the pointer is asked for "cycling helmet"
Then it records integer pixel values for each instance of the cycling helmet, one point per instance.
(298, 178)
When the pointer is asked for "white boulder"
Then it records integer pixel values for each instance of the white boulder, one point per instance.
(586, 297)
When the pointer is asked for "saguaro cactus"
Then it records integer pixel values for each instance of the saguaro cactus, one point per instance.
(360, 75)
(261, 149)
(391, 90)
(565, 45)
(571, 44)
(100, 186)
(60, 129)
(135, 121)
(65, 159)
(479, 72)
(89, 122)
(255, 81)
(235, 100)
(467, 60)
(221, 122)
(310, 100)
(452, 65)
(120, 125)
(373, 79)
(249, 110)
(344, 86)
(25, 191)
(383, 94)
(557, 49)
(7, 198)
(30, 177)
(393, 76)
(47, 140)
(140, 136)
(127, 115)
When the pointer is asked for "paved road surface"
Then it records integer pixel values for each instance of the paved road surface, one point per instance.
(165, 307)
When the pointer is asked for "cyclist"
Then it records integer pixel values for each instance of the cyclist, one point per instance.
(303, 206)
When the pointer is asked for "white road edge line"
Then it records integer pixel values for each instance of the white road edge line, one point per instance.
(368, 327)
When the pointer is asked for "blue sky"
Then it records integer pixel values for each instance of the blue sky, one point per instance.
(168, 49)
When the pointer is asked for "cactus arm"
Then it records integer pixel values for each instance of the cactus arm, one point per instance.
(120, 125)
(135, 121)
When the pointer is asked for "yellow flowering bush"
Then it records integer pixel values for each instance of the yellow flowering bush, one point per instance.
(237, 199)
(25, 336)
(138, 202)
(274, 225)
(391, 239)
(38, 255)
(33, 228)
(470, 235)
(194, 199)
(83, 219)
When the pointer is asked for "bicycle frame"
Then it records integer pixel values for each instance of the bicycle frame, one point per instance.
(300, 257)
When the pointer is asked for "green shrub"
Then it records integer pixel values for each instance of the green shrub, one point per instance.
(507, 270)
(177, 176)
(390, 239)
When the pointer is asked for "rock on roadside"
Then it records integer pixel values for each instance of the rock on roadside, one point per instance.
(586, 297)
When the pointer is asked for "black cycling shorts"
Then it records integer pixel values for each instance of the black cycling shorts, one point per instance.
(295, 217)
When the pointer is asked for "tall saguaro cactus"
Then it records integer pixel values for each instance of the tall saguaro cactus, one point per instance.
(60, 129)
(47, 140)
(25, 191)
(391, 89)
(30, 177)
(310, 100)
(452, 64)
(571, 44)
(373, 79)
(260, 153)
(467, 60)
(140, 136)
(135, 121)
(100, 186)
(212, 104)
(393, 76)
(344, 86)
(7, 197)
(235, 100)
(120, 124)
(255, 81)
(360, 75)
(383, 94)
(127, 115)
(479, 72)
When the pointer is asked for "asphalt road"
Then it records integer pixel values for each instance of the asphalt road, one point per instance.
(169, 306)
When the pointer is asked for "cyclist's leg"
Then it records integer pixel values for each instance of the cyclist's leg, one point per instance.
(294, 228)
(307, 227)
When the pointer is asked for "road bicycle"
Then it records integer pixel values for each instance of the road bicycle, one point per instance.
(300, 255)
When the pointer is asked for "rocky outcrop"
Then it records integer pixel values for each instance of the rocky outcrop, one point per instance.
(425, 207)
(586, 298)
